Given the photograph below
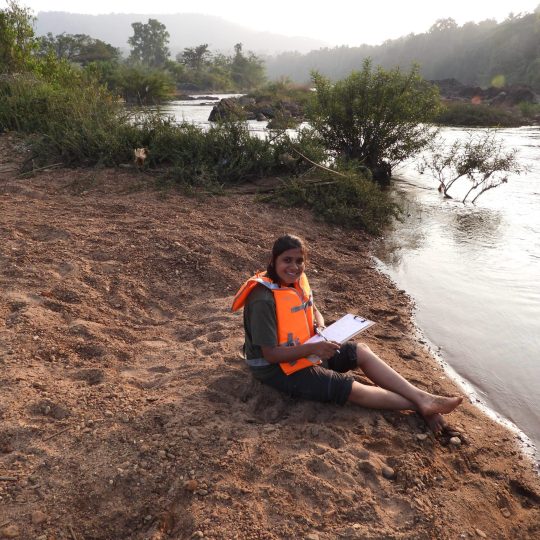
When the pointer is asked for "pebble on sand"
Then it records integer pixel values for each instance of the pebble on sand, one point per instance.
(11, 531)
(388, 472)
(480, 533)
(38, 517)
(191, 485)
(456, 441)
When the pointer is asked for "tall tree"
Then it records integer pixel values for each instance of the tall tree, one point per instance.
(17, 41)
(149, 43)
(194, 58)
(247, 71)
(79, 48)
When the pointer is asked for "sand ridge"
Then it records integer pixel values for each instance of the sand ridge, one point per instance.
(127, 413)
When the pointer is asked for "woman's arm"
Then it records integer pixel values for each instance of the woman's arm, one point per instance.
(323, 349)
(319, 319)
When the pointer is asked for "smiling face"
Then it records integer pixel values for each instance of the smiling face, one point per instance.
(290, 265)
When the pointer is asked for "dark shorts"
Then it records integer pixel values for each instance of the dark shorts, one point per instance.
(326, 382)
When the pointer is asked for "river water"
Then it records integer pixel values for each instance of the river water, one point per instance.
(473, 272)
(197, 111)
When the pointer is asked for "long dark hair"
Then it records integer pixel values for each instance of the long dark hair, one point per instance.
(283, 243)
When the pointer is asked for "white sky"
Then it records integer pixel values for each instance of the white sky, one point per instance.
(338, 22)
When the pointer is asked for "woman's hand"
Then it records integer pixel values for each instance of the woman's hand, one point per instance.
(325, 349)
(322, 349)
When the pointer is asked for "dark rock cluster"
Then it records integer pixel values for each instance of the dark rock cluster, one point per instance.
(282, 113)
(512, 95)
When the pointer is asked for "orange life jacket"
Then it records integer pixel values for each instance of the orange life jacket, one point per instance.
(294, 314)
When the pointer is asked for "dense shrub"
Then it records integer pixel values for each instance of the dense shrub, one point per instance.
(350, 201)
(81, 124)
(77, 125)
(374, 116)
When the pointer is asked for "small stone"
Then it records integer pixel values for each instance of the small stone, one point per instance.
(456, 441)
(363, 453)
(388, 472)
(191, 485)
(312, 536)
(505, 512)
(480, 533)
(197, 534)
(421, 436)
(11, 531)
(38, 517)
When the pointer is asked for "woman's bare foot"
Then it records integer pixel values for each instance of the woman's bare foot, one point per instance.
(436, 423)
(431, 405)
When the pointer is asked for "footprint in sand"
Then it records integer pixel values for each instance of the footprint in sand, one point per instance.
(159, 369)
(46, 233)
(214, 337)
(188, 333)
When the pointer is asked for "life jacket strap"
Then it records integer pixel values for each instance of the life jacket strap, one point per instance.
(304, 306)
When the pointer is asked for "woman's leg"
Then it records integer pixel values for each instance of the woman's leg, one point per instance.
(395, 392)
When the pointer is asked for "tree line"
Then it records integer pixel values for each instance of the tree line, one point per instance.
(149, 74)
(480, 54)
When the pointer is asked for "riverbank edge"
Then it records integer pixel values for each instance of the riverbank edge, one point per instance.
(525, 443)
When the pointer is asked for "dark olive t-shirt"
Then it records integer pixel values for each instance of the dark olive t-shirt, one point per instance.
(260, 326)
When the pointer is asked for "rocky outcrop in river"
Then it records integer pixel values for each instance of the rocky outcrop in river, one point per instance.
(452, 89)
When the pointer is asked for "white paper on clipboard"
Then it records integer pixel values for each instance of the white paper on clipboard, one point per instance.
(343, 329)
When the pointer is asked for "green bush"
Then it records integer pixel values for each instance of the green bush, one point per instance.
(83, 125)
(140, 84)
(283, 90)
(351, 201)
(469, 115)
(226, 153)
(377, 117)
(529, 110)
(77, 125)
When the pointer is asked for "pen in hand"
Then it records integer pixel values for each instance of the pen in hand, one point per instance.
(319, 332)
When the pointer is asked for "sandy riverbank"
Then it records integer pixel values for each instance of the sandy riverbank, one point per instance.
(126, 412)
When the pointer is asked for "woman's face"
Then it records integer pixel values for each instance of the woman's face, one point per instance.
(290, 265)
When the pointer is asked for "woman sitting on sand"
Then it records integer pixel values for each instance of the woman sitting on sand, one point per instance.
(279, 316)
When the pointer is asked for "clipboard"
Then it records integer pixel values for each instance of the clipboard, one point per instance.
(343, 329)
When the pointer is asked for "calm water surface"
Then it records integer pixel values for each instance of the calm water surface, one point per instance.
(198, 110)
(474, 272)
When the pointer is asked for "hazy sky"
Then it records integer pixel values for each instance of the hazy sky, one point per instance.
(338, 22)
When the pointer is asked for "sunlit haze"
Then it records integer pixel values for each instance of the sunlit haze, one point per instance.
(337, 23)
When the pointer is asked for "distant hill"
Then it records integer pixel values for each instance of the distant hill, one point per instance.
(186, 30)
(485, 53)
